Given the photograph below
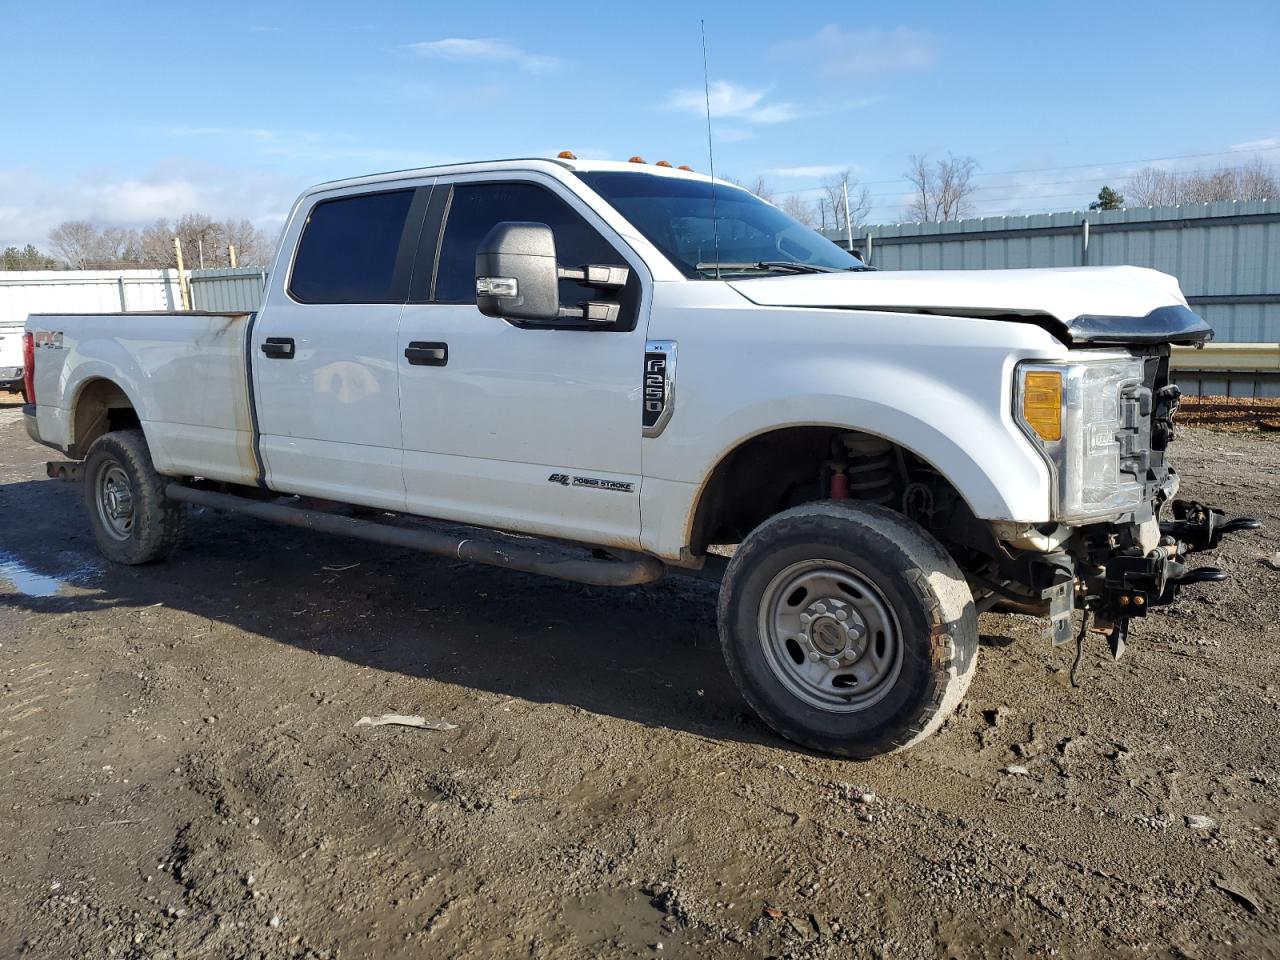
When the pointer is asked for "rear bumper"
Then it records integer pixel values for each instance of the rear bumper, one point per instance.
(29, 421)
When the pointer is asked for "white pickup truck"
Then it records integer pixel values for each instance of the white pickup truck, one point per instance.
(656, 370)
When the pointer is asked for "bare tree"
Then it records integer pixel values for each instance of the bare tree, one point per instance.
(84, 247)
(1257, 181)
(1157, 186)
(831, 201)
(253, 249)
(76, 241)
(157, 246)
(798, 208)
(942, 188)
(760, 187)
(198, 233)
(202, 237)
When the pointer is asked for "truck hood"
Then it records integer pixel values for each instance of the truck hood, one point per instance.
(1078, 305)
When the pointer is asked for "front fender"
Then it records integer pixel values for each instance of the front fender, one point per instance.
(941, 387)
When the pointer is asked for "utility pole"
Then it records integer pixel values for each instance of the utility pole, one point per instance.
(200, 252)
(182, 276)
(231, 254)
(848, 221)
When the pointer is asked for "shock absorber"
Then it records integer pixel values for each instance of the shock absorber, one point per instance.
(871, 472)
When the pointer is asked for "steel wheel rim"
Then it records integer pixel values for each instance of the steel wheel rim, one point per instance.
(829, 636)
(114, 499)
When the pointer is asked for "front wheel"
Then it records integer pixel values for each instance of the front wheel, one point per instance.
(133, 522)
(848, 628)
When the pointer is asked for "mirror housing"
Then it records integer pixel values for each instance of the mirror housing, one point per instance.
(517, 277)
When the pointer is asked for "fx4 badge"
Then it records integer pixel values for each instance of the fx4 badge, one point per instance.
(46, 338)
(658, 386)
(565, 480)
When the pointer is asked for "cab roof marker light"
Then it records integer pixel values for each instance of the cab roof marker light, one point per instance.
(566, 155)
(636, 160)
(685, 166)
(663, 163)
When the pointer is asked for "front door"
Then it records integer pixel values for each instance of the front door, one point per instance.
(528, 427)
(324, 349)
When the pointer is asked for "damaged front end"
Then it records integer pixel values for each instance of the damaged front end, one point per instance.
(1120, 542)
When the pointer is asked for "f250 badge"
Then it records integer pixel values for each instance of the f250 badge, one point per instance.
(658, 385)
(565, 480)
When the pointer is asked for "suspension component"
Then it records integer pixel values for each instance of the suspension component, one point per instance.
(871, 474)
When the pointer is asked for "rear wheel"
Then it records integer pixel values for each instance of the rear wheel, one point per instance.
(133, 522)
(848, 628)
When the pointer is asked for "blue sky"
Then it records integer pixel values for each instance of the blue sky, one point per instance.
(126, 112)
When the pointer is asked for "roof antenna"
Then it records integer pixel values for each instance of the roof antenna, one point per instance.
(711, 156)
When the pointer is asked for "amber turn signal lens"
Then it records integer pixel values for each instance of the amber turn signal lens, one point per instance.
(663, 163)
(1042, 403)
(566, 155)
(685, 166)
(636, 160)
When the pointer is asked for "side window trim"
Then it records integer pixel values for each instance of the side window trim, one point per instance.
(405, 250)
(423, 287)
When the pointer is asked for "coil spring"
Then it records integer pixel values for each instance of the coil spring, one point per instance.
(872, 476)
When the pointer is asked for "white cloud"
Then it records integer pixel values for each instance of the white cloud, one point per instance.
(871, 50)
(485, 49)
(1266, 143)
(308, 145)
(733, 101)
(819, 170)
(36, 203)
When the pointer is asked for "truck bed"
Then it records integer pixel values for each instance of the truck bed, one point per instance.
(185, 373)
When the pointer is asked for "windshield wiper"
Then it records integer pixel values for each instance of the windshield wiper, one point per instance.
(785, 266)
(794, 267)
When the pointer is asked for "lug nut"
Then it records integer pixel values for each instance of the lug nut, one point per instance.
(833, 664)
(815, 656)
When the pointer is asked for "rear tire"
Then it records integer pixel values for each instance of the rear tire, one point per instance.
(133, 521)
(848, 628)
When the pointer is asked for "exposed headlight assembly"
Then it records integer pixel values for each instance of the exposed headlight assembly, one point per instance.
(1074, 413)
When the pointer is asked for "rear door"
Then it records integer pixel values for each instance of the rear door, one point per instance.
(527, 427)
(324, 349)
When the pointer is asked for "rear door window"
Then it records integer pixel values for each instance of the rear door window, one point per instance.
(350, 248)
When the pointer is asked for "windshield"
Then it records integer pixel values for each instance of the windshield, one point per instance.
(755, 238)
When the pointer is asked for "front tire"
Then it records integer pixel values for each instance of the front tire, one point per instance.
(133, 521)
(848, 628)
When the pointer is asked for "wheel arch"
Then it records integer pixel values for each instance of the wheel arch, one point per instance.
(99, 405)
(719, 495)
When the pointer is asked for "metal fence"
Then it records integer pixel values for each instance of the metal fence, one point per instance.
(108, 291)
(1225, 255)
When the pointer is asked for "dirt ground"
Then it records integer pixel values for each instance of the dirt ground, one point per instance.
(182, 776)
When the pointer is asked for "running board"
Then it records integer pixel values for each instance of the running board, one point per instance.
(524, 557)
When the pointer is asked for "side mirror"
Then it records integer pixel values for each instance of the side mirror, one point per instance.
(517, 277)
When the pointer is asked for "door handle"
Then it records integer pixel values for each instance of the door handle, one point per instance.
(279, 348)
(420, 353)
